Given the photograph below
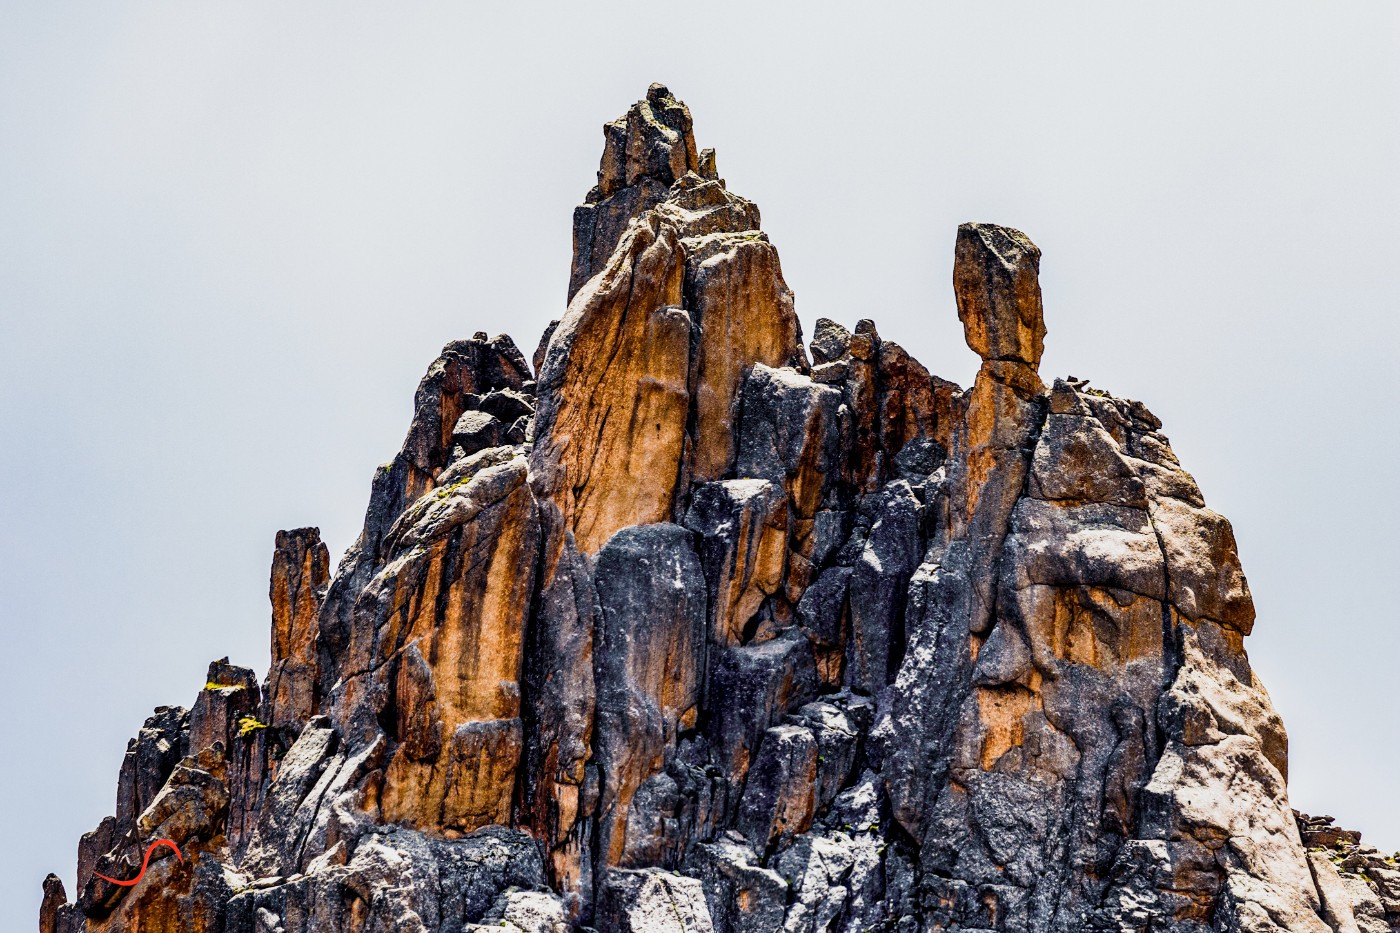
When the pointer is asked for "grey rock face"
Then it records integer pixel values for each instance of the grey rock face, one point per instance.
(476, 430)
(654, 901)
(649, 664)
(743, 528)
(694, 637)
(892, 548)
(830, 342)
(397, 880)
(560, 782)
(740, 894)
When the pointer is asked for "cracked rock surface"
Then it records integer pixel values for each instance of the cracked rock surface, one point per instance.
(685, 626)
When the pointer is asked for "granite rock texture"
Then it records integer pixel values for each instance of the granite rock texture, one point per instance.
(690, 627)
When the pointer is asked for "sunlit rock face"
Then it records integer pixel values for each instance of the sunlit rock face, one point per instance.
(689, 627)
(638, 382)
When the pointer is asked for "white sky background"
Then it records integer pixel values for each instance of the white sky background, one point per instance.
(232, 237)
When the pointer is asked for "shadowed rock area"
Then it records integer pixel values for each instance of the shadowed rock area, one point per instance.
(690, 628)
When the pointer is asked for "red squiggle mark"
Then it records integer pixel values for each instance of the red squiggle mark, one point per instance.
(146, 861)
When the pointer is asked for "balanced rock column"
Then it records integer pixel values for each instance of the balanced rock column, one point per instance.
(953, 593)
(996, 279)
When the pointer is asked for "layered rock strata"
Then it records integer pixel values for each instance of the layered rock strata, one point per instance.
(689, 627)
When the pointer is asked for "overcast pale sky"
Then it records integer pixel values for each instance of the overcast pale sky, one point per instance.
(232, 237)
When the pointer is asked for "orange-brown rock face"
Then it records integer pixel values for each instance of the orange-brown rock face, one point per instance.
(692, 636)
(744, 312)
(449, 649)
(300, 572)
(641, 375)
(615, 391)
(177, 893)
(174, 898)
(54, 905)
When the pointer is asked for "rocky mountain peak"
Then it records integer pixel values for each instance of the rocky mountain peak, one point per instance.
(654, 141)
(682, 630)
(646, 152)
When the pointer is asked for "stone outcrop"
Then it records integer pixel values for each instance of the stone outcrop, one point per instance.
(1358, 884)
(685, 629)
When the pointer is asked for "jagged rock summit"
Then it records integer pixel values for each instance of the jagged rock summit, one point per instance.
(681, 628)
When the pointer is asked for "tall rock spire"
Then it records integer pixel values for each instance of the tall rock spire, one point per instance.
(676, 294)
(645, 151)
